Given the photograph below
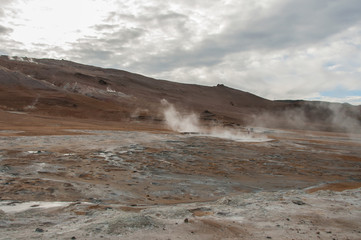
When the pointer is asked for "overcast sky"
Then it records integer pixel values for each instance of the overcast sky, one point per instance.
(278, 49)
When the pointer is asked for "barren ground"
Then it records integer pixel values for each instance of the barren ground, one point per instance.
(150, 184)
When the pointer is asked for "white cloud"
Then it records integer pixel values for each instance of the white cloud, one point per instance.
(275, 48)
(56, 22)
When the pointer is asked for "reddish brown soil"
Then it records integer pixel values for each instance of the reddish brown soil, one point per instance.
(62, 89)
(337, 186)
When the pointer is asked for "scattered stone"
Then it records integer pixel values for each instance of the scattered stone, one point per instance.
(298, 202)
(73, 238)
(186, 220)
(39, 230)
(224, 201)
(222, 213)
(2, 214)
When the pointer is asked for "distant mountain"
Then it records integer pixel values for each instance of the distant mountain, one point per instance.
(62, 88)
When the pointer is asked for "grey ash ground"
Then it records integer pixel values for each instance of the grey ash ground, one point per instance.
(132, 184)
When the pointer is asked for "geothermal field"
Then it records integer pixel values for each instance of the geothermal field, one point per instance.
(91, 153)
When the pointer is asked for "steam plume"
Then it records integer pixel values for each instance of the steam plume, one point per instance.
(178, 122)
(190, 123)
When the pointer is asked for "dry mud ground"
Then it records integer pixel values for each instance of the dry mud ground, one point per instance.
(271, 184)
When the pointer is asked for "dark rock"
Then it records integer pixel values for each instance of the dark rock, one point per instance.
(298, 202)
(102, 82)
(186, 220)
(39, 230)
(222, 213)
(73, 238)
(204, 209)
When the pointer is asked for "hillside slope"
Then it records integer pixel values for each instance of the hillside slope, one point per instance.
(60, 88)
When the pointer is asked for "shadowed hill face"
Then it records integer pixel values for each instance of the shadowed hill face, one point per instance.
(64, 88)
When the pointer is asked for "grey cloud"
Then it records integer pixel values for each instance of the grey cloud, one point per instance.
(110, 42)
(172, 24)
(3, 3)
(294, 24)
(148, 18)
(105, 51)
(147, 22)
(8, 46)
(112, 37)
(124, 36)
(169, 17)
(90, 49)
(7, 4)
(301, 22)
(5, 30)
(88, 54)
(94, 54)
(129, 42)
(102, 27)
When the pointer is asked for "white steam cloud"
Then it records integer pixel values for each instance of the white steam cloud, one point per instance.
(179, 122)
(189, 123)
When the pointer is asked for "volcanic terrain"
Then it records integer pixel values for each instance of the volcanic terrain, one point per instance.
(93, 153)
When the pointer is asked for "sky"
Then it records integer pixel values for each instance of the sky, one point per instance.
(277, 49)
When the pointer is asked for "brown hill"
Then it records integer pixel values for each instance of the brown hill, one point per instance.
(59, 90)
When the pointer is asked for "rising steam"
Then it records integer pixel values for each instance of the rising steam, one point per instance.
(189, 123)
(178, 122)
